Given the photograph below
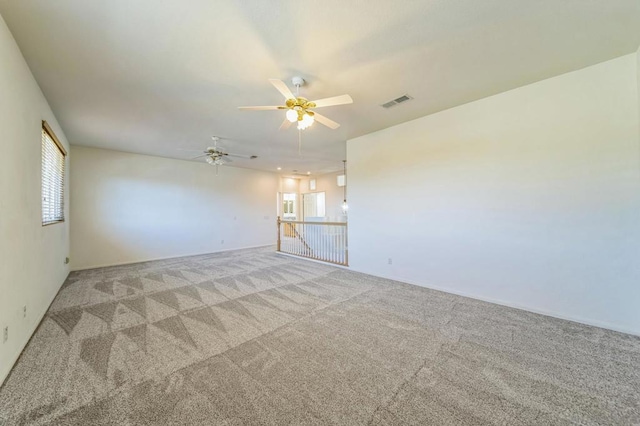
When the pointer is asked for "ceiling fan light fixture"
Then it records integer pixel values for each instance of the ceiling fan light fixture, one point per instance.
(299, 108)
(209, 160)
(292, 116)
(308, 118)
(306, 121)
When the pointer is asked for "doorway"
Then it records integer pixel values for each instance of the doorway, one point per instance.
(289, 206)
(313, 206)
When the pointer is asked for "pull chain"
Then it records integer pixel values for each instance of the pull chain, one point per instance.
(299, 132)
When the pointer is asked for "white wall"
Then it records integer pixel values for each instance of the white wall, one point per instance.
(129, 208)
(32, 257)
(529, 198)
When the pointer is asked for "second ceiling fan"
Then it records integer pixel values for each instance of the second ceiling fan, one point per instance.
(299, 109)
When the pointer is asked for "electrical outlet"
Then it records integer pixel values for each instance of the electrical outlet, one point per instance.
(24, 311)
(390, 261)
(5, 334)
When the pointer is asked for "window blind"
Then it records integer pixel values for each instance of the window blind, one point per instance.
(52, 178)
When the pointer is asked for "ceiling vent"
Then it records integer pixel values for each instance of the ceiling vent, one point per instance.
(396, 101)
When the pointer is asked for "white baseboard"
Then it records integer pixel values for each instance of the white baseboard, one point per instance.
(312, 260)
(34, 327)
(106, 265)
(586, 321)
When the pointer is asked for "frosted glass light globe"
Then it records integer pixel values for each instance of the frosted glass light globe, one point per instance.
(292, 116)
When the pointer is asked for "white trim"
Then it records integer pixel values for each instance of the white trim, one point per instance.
(12, 364)
(600, 324)
(580, 320)
(313, 260)
(84, 268)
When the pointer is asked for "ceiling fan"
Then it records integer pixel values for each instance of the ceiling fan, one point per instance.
(218, 157)
(300, 109)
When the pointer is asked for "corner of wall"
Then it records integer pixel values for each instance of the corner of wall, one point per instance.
(638, 79)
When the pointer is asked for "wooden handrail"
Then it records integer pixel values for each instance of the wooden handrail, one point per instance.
(298, 236)
(316, 223)
(326, 243)
(295, 233)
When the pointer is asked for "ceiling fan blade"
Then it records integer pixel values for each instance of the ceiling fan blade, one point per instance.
(326, 121)
(246, 157)
(261, 108)
(285, 124)
(336, 100)
(282, 88)
(189, 150)
(199, 156)
(227, 160)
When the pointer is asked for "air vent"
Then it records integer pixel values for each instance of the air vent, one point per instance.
(396, 101)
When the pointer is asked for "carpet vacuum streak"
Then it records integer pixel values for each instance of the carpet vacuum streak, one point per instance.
(252, 337)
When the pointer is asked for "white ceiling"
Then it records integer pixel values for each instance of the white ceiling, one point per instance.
(156, 76)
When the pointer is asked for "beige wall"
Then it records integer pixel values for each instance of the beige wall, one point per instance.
(530, 198)
(129, 208)
(32, 267)
(289, 185)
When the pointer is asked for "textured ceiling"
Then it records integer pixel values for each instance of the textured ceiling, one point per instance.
(154, 77)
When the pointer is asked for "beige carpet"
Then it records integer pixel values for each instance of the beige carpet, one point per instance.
(251, 337)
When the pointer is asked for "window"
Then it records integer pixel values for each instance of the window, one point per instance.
(53, 155)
